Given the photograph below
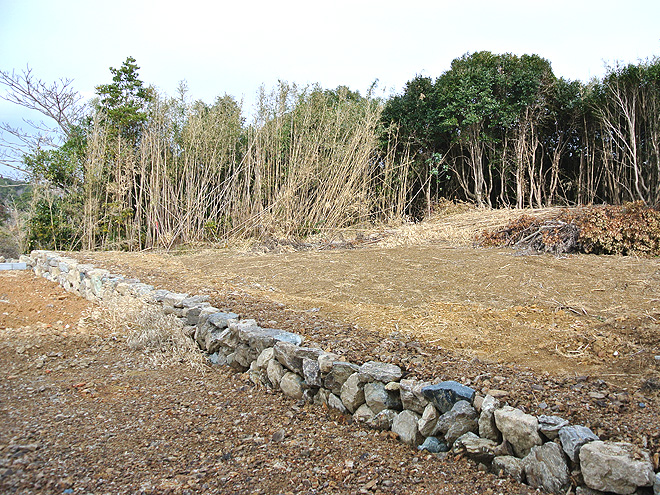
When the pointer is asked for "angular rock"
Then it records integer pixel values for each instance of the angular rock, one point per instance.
(656, 484)
(260, 338)
(338, 374)
(411, 395)
(292, 385)
(383, 420)
(326, 359)
(193, 301)
(461, 419)
(291, 355)
(352, 391)
(321, 397)
(518, 428)
(487, 427)
(545, 467)
(382, 372)
(573, 438)
(175, 300)
(275, 372)
(405, 425)
(312, 372)
(433, 445)
(509, 466)
(475, 447)
(618, 467)
(550, 425)
(214, 341)
(378, 398)
(428, 420)
(336, 403)
(363, 414)
(444, 395)
(265, 356)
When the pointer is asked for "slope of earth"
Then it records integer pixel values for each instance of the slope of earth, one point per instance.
(81, 413)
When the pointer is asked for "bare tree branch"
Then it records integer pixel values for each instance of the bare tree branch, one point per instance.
(57, 100)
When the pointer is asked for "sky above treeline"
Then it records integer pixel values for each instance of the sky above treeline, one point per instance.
(221, 47)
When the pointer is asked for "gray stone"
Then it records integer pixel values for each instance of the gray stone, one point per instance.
(573, 438)
(192, 301)
(378, 398)
(405, 425)
(433, 445)
(336, 403)
(352, 391)
(509, 466)
(312, 372)
(326, 359)
(291, 356)
(363, 414)
(550, 425)
(339, 373)
(545, 467)
(382, 372)
(173, 299)
(487, 427)
(585, 490)
(261, 338)
(461, 419)
(617, 467)
(428, 420)
(518, 428)
(292, 385)
(217, 359)
(214, 341)
(221, 319)
(445, 394)
(656, 484)
(411, 395)
(383, 420)
(265, 356)
(275, 372)
(475, 447)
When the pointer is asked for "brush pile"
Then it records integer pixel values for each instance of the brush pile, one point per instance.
(630, 229)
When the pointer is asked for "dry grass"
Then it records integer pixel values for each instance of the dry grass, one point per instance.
(148, 330)
(456, 225)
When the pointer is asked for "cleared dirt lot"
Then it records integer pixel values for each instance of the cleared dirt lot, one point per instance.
(574, 336)
(596, 315)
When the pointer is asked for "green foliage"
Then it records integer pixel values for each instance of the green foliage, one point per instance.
(50, 226)
(124, 102)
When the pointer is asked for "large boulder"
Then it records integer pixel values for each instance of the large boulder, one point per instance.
(617, 467)
(572, 439)
(461, 419)
(508, 465)
(378, 398)
(292, 385)
(338, 374)
(429, 420)
(382, 372)
(475, 447)
(545, 467)
(518, 428)
(550, 425)
(411, 395)
(352, 391)
(444, 395)
(405, 425)
(291, 355)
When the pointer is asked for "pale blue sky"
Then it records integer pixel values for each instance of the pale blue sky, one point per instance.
(223, 47)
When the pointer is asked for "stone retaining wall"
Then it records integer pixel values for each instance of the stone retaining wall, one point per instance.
(544, 451)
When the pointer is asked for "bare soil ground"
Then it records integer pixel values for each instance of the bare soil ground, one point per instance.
(81, 413)
(574, 336)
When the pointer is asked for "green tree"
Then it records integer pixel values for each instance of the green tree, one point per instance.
(124, 102)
